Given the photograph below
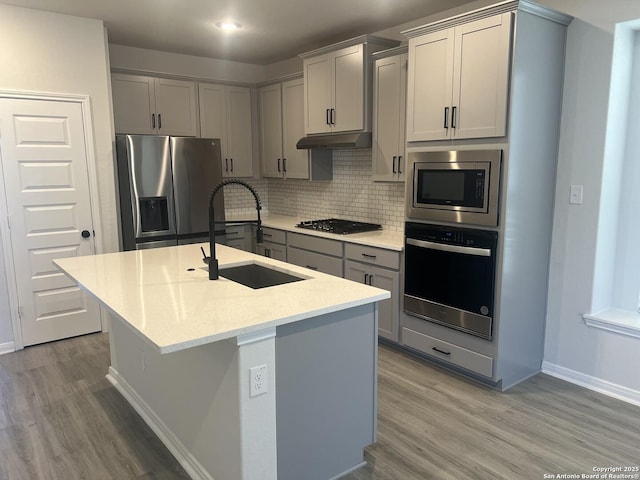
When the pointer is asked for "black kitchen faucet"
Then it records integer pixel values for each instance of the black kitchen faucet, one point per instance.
(212, 260)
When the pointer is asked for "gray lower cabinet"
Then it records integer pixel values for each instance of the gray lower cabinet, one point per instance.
(321, 254)
(379, 268)
(239, 236)
(373, 266)
(274, 244)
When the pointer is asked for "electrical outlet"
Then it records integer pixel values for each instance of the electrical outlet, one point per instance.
(258, 380)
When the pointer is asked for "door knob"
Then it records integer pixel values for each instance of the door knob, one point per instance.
(85, 234)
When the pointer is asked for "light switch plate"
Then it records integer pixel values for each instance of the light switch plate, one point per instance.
(575, 197)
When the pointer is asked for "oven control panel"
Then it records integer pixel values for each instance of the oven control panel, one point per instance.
(451, 235)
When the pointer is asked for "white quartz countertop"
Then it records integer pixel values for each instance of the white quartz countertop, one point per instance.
(387, 239)
(154, 292)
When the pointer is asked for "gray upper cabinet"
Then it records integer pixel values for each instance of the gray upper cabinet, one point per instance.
(281, 126)
(458, 80)
(337, 85)
(389, 117)
(148, 105)
(225, 113)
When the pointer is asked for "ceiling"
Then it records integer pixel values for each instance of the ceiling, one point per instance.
(272, 30)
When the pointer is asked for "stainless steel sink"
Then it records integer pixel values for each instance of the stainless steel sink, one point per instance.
(257, 276)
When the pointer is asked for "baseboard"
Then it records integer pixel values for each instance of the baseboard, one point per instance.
(193, 468)
(7, 347)
(592, 383)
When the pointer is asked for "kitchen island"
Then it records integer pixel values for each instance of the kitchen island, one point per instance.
(241, 383)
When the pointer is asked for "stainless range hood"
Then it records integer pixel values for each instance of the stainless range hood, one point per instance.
(335, 141)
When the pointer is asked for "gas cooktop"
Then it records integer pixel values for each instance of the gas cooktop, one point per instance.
(339, 226)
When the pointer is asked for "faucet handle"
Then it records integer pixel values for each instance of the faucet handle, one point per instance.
(205, 258)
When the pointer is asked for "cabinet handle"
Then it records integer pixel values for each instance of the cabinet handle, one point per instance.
(333, 116)
(453, 117)
(366, 277)
(267, 252)
(366, 255)
(441, 351)
(159, 121)
(279, 166)
(231, 164)
(394, 164)
(153, 121)
(266, 235)
(327, 117)
(284, 165)
(226, 164)
(446, 117)
(399, 159)
(371, 279)
(310, 267)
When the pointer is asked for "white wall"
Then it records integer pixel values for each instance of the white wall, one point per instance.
(583, 248)
(154, 62)
(45, 52)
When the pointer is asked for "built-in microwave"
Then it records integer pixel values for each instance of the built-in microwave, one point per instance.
(460, 186)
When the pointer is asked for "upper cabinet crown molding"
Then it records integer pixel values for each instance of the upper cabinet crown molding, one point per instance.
(390, 52)
(361, 40)
(498, 8)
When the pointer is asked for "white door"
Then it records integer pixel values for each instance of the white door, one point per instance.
(44, 163)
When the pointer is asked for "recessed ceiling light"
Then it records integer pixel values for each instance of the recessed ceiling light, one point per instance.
(228, 25)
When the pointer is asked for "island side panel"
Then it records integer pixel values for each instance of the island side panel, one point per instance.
(326, 393)
(193, 396)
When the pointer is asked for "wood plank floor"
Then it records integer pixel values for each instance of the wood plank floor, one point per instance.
(61, 419)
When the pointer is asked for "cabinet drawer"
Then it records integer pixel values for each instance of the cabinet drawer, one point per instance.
(272, 250)
(235, 231)
(315, 261)
(448, 352)
(274, 236)
(316, 244)
(372, 255)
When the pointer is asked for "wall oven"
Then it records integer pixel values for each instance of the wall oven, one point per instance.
(454, 186)
(450, 276)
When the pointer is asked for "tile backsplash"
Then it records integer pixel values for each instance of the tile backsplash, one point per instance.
(351, 194)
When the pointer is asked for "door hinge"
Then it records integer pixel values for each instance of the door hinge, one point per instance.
(20, 312)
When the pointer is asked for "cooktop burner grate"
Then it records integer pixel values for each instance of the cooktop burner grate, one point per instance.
(339, 226)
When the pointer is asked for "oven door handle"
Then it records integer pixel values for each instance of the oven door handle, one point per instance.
(479, 252)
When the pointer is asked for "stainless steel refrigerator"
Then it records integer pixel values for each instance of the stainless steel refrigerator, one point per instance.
(164, 184)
